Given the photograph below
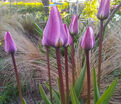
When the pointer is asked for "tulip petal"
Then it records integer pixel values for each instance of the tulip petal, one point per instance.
(10, 45)
(104, 8)
(54, 33)
(88, 39)
(69, 41)
(74, 25)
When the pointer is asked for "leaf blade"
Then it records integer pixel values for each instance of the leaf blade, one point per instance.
(79, 83)
(44, 97)
(104, 99)
(96, 90)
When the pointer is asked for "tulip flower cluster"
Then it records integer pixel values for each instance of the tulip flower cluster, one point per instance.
(56, 34)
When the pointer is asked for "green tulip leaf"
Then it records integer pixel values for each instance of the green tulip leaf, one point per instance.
(104, 99)
(44, 97)
(74, 98)
(96, 90)
(24, 101)
(55, 94)
(79, 83)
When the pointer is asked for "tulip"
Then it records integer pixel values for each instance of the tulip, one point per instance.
(55, 35)
(69, 42)
(69, 39)
(74, 26)
(74, 29)
(10, 47)
(87, 43)
(88, 40)
(103, 11)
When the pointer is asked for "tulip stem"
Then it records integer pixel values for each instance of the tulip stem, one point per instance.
(49, 77)
(17, 78)
(73, 62)
(100, 51)
(88, 76)
(66, 75)
(60, 75)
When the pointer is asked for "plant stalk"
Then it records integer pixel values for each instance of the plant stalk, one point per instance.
(66, 75)
(88, 76)
(17, 78)
(100, 51)
(73, 62)
(49, 77)
(60, 76)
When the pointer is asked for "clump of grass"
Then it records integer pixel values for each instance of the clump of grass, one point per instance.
(10, 94)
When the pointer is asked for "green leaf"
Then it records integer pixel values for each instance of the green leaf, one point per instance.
(57, 99)
(44, 97)
(74, 98)
(41, 49)
(24, 101)
(58, 83)
(104, 99)
(55, 94)
(79, 83)
(96, 90)
(38, 30)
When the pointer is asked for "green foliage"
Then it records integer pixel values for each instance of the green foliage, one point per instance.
(104, 99)
(24, 101)
(44, 96)
(96, 90)
(38, 30)
(115, 2)
(74, 98)
(56, 95)
(79, 83)
(8, 94)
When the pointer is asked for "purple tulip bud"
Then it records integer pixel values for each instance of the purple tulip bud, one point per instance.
(69, 41)
(104, 8)
(88, 39)
(74, 26)
(10, 45)
(54, 33)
